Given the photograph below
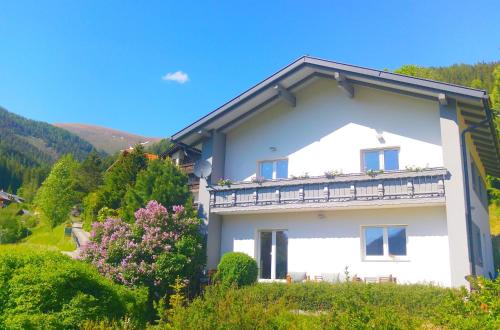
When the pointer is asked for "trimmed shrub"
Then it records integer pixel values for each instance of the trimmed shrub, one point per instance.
(237, 268)
(47, 290)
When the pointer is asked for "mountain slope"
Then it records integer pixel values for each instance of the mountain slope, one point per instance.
(107, 139)
(27, 145)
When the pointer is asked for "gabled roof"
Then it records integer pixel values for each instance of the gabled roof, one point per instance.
(10, 197)
(474, 102)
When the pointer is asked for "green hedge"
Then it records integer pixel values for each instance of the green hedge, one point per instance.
(336, 306)
(237, 268)
(47, 290)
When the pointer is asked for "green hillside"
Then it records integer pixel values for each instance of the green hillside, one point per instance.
(29, 147)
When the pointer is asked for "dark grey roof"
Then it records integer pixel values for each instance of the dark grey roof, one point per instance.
(306, 67)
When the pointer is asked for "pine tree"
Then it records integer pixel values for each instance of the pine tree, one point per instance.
(162, 181)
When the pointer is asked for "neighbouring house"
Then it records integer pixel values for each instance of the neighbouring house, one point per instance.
(7, 198)
(328, 165)
(185, 156)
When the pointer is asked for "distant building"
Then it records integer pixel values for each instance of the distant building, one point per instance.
(185, 157)
(6, 199)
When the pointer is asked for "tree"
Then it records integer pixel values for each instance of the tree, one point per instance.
(89, 174)
(119, 177)
(160, 147)
(495, 92)
(162, 181)
(415, 71)
(153, 251)
(57, 194)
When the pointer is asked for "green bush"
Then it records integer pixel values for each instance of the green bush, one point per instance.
(237, 268)
(47, 290)
(340, 306)
(13, 227)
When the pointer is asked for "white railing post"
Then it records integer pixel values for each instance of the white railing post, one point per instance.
(277, 195)
(326, 193)
(353, 191)
(380, 190)
(410, 189)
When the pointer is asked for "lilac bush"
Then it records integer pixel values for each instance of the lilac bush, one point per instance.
(153, 251)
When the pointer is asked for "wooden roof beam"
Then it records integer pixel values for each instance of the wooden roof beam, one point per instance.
(344, 85)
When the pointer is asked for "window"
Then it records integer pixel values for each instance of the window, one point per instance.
(273, 169)
(273, 256)
(380, 159)
(384, 242)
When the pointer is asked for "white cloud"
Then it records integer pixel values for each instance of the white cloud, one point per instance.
(177, 76)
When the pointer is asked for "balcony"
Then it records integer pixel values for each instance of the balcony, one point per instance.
(187, 168)
(391, 189)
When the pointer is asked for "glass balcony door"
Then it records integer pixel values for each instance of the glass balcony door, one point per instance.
(273, 257)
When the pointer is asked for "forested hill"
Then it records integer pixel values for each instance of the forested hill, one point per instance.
(480, 75)
(27, 146)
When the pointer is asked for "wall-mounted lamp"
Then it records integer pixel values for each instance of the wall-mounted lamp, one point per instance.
(380, 137)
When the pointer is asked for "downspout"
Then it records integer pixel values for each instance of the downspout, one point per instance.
(468, 213)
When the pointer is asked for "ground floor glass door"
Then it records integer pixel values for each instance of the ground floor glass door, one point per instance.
(273, 254)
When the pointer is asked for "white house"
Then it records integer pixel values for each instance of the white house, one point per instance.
(333, 165)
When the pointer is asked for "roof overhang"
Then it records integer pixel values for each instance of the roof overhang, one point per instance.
(284, 83)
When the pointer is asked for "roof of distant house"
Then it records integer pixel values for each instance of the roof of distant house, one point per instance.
(10, 197)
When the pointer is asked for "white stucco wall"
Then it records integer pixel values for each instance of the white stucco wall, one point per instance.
(328, 243)
(327, 130)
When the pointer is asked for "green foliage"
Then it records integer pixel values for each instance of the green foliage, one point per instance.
(495, 91)
(161, 181)
(13, 227)
(106, 213)
(46, 290)
(416, 71)
(27, 144)
(89, 175)
(160, 148)
(58, 192)
(118, 179)
(337, 306)
(478, 75)
(237, 268)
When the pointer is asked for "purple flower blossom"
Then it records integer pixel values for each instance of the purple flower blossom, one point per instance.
(129, 253)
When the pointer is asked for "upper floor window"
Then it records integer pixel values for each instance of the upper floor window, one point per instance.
(380, 159)
(273, 169)
(384, 242)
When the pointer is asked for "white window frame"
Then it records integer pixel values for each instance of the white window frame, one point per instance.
(385, 256)
(275, 167)
(381, 159)
(273, 253)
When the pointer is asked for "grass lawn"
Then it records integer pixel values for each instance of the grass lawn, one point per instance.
(44, 235)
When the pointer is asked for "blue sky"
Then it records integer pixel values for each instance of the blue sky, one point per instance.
(105, 62)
